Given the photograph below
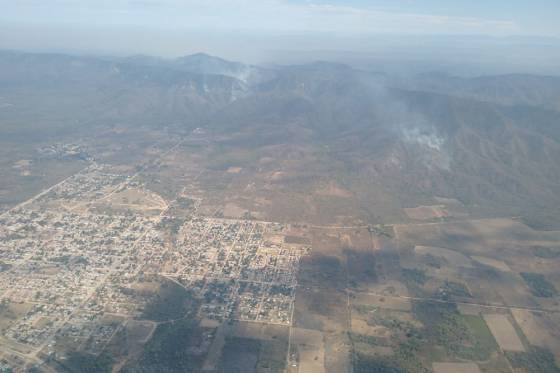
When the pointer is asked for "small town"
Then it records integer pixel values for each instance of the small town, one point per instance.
(75, 265)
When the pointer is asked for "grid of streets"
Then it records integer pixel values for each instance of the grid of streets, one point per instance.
(68, 264)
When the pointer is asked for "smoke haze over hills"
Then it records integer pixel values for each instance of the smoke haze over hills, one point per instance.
(279, 186)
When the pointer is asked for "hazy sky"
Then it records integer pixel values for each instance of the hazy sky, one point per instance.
(245, 28)
(494, 17)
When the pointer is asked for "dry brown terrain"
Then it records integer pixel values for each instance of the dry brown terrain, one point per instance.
(504, 332)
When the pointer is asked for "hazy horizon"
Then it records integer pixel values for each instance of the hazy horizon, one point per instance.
(467, 55)
(473, 38)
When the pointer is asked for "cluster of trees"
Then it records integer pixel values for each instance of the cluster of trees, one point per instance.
(172, 302)
(536, 359)
(172, 224)
(539, 285)
(453, 289)
(81, 362)
(167, 350)
(367, 364)
(465, 337)
(414, 275)
(546, 252)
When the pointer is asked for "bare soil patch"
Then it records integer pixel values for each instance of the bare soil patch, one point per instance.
(310, 350)
(334, 190)
(427, 212)
(386, 302)
(494, 263)
(504, 332)
(231, 210)
(234, 170)
(541, 330)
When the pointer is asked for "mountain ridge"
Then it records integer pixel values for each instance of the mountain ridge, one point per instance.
(426, 136)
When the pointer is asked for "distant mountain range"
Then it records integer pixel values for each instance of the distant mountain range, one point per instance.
(492, 142)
